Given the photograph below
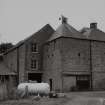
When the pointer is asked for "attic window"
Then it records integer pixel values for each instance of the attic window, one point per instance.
(34, 47)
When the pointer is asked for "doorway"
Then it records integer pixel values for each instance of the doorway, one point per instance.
(35, 77)
(83, 83)
(51, 81)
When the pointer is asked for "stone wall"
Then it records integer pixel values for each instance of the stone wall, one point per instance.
(32, 55)
(21, 65)
(66, 55)
(39, 38)
(75, 60)
(52, 66)
(10, 60)
(75, 55)
(68, 83)
(98, 64)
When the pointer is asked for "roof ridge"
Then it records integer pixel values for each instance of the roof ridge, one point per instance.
(69, 26)
(24, 40)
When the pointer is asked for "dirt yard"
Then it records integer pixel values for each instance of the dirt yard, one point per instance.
(73, 98)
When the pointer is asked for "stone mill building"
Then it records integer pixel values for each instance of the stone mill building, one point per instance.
(65, 58)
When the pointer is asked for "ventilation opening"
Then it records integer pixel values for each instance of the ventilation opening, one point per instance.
(35, 77)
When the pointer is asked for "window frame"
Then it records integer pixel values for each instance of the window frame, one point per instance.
(34, 64)
(34, 47)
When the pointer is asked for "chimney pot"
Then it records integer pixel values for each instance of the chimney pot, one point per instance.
(93, 25)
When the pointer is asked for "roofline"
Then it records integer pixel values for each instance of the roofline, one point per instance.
(15, 47)
(73, 38)
(27, 38)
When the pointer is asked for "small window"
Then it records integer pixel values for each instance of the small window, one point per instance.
(79, 54)
(34, 47)
(33, 64)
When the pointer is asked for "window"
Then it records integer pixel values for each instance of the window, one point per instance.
(79, 54)
(36, 77)
(33, 64)
(34, 47)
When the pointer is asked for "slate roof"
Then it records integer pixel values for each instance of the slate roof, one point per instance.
(66, 30)
(47, 28)
(93, 34)
(5, 70)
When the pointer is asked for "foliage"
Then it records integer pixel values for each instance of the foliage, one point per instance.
(5, 46)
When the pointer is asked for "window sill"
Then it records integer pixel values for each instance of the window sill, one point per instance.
(34, 69)
(35, 52)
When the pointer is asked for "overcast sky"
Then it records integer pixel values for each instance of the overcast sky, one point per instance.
(21, 18)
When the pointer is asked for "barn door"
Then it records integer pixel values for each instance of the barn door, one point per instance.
(83, 83)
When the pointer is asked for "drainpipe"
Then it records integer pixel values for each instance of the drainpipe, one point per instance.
(17, 65)
(91, 66)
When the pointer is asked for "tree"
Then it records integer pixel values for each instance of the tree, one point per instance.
(5, 46)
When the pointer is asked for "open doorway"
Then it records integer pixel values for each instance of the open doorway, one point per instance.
(83, 83)
(51, 81)
(35, 77)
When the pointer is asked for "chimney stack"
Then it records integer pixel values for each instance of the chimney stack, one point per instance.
(93, 25)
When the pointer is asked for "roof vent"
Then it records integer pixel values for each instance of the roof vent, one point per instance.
(93, 25)
(64, 19)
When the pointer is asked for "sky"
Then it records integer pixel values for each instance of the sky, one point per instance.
(21, 18)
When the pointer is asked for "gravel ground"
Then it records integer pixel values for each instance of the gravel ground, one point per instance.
(72, 98)
(42, 101)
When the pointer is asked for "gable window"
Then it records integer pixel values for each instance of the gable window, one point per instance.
(34, 47)
(33, 64)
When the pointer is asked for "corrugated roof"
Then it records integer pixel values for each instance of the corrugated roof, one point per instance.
(66, 30)
(4, 70)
